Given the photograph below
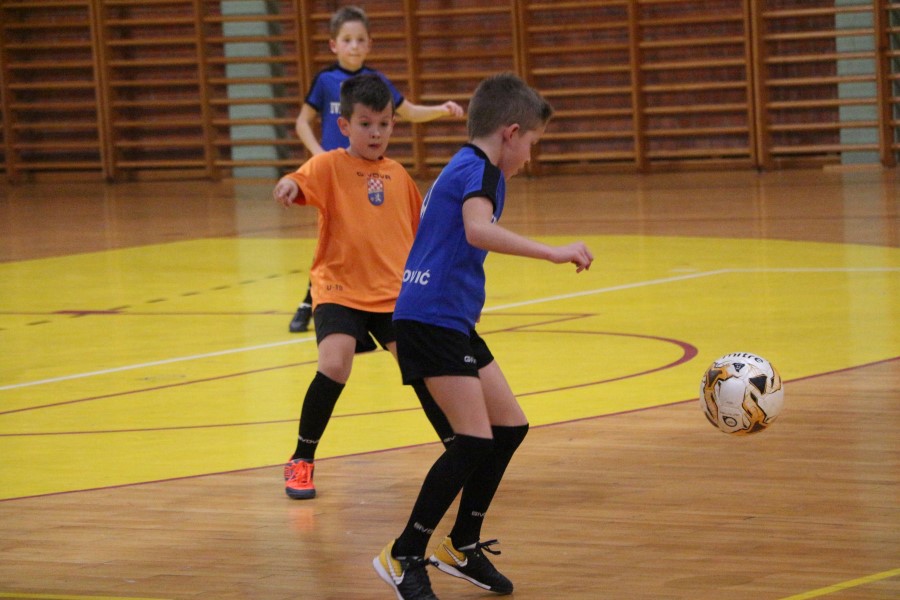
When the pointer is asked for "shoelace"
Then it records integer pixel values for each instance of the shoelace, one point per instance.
(303, 477)
(486, 547)
(417, 562)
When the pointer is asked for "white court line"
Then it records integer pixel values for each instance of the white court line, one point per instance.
(155, 363)
(615, 288)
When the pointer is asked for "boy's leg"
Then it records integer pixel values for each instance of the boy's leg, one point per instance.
(440, 488)
(321, 396)
(509, 427)
(401, 563)
(461, 399)
(318, 404)
(335, 361)
(435, 415)
(481, 487)
(460, 554)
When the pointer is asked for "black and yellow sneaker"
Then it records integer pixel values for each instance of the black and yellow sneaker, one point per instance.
(471, 564)
(406, 575)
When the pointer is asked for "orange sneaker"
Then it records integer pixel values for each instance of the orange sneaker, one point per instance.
(298, 479)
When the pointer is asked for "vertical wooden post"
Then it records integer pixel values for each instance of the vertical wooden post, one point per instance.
(521, 20)
(752, 66)
(209, 131)
(102, 95)
(414, 83)
(882, 25)
(522, 67)
(304, 44)
(5, 113)
(763, 156)
(637, 79)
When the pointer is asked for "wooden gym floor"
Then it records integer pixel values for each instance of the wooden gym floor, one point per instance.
(149, 394)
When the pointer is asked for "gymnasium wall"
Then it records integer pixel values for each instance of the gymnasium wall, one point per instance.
(122, 89)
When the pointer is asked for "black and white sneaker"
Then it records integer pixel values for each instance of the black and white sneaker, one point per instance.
(471, 564)
(406, 575)
(300, 322)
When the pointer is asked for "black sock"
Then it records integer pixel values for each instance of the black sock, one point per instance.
(321, 396)
(440, 488)
(308, 299)
(434, 413)
(481, 486)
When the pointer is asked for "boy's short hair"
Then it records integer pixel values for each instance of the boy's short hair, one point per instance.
(367, 89)
(347, 14)
(502, 100)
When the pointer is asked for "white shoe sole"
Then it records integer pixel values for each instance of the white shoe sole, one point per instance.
(382, 572)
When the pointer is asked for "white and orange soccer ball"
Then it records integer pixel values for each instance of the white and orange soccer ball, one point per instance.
(741, 393)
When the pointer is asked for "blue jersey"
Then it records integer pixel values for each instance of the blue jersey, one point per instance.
(325, 96)
(443, 282)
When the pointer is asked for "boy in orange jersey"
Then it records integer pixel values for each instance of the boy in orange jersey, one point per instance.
(368, 216)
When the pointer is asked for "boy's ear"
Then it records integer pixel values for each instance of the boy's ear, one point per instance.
(332, 45)
(509, 130)
(344, 126)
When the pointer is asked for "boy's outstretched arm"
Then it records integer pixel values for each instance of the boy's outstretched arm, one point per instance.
(482, 233)
(418, 113)
(286, 191)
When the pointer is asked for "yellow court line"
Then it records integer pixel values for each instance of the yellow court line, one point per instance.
(16, 596)
(845, 585)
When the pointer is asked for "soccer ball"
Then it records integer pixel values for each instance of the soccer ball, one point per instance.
(741, 393)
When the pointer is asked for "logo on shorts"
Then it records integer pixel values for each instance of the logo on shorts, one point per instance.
(470, 360)
(376, 190)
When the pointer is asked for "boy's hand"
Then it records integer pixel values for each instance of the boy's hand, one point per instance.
(453, 109)
(576, 253)
(285, 191)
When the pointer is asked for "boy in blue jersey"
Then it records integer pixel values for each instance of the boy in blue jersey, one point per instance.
(440, 301)
(350, 41)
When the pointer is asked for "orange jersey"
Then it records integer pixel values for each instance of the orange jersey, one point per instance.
(368, 216)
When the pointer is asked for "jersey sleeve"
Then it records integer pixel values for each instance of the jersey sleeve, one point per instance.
(395, 93)
(316, 95)
(482, 184)
(313, 180)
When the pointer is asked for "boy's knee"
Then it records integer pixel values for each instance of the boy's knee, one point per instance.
(336, 368)
(508, 439)
(470, 450)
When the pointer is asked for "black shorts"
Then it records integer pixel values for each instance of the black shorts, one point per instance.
(336, 318)
(432, 351)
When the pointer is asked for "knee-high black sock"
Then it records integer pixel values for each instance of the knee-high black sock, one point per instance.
(443, 482)
(481, 486)
(321, 396)
(434, 413)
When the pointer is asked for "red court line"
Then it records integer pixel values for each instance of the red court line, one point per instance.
(688, 353)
